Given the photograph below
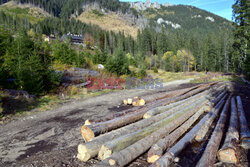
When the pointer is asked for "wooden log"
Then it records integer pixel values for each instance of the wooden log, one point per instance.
(128, 154)
(139, 102)
(176, 105)
(203, 131)
(89, 132)
(157, 150)
(124, 141)
(229, 151)
(91, 149)
(209, 156)
(244, 130)
(172, 153)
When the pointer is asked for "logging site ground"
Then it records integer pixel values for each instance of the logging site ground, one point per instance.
(50, 138)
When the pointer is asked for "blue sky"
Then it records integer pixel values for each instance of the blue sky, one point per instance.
(220, 7)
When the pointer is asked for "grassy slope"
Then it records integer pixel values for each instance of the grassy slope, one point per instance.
(110, 22)
(33, 14)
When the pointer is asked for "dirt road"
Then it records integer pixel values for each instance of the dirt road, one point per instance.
(51, 138)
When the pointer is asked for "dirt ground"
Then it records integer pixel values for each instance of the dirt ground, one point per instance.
(50, 138)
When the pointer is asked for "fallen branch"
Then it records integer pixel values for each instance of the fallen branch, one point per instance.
(209, 156)
(229, 152)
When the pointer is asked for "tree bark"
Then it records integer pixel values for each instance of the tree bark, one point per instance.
(209, 156)
(203, 131)
(168, 157)
(229, 151)
(128, 154)
(89, 132)
(91, 149)
(244, 130)
(158, 149)
(178, 105)
(124, 141)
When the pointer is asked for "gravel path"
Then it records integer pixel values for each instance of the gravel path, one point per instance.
(51, 137)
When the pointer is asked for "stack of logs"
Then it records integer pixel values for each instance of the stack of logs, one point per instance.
(166, 125)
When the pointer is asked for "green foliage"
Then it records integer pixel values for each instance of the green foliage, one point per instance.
(64, 53)
(29, 63)
(142, 73)
(155, 70)
(241, 53)
(118, 63)
(97, 13)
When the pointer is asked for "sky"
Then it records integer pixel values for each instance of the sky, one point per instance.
(222, 8)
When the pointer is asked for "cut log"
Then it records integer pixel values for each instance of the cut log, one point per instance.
(159, 148)
(125, 102)
(172, 153)
(124, 141)
(87, 122)
(203, 131)
(177, 105)
(130, 101)
(91, 149)
(128, 154)
(244, 130)
(209, 156)
(229, 152)
(89, 132)
(139, 102)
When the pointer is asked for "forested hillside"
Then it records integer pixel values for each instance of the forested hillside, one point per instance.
(176, 38)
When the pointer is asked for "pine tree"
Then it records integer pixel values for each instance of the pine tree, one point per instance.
(241, 55)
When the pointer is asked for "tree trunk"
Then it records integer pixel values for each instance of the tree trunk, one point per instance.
(168, 157)
(124, 141)
(174, 106)
(209, 156)
(91, 149)
(158, 149)
(128, 154)
(203, 131)
(244, 130)
(89, 132)
(229, 151)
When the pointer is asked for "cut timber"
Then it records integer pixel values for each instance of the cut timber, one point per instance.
(130, 101)
(158, 149)
(209, 156)
(91, 149)
(87, 122)
(229, 151)
(130, 153)
(139, 102)
(244, 130)
(124, 141)
(203, 131)
(173, 152)
(176, 105)
(125, 102)
(89, 132)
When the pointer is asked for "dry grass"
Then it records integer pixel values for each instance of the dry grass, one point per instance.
(109, 22)
(32, 13)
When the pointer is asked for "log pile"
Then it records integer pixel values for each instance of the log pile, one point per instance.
(166, 125)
